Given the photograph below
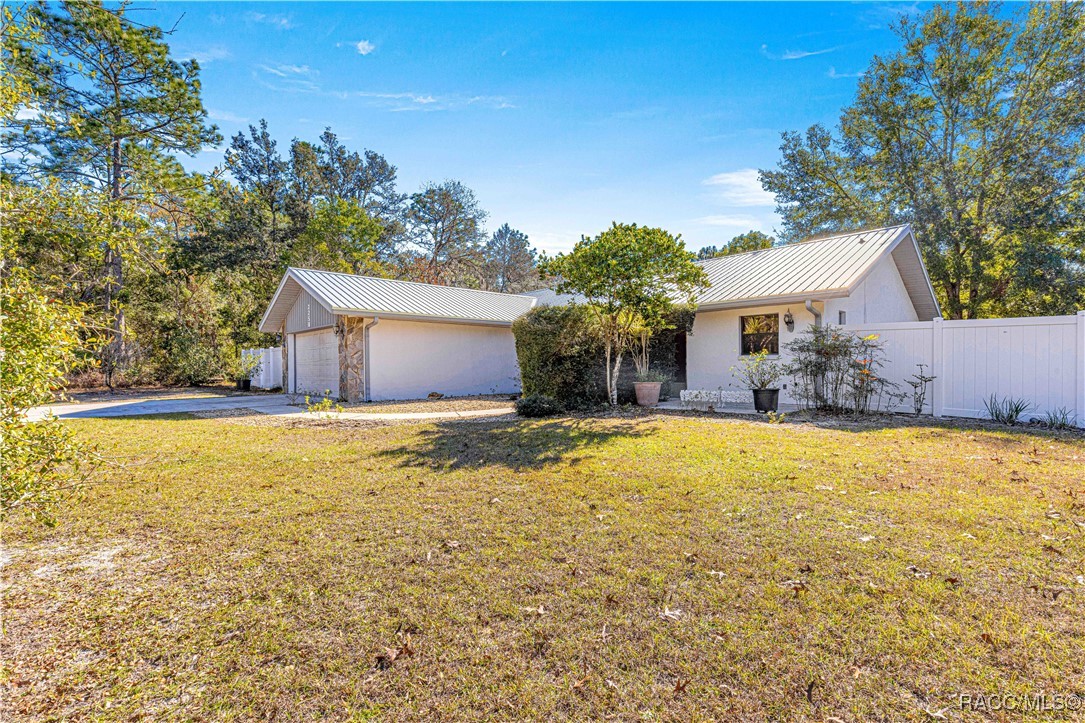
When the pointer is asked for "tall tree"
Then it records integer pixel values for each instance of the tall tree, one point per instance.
(260, 170)
(509, 264)
(117, 107)
(340, 236)
(445, 223)
(974, 132)
(749, 241)
(330, 171)
(631, 276)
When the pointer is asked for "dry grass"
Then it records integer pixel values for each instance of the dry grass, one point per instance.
(653, 568)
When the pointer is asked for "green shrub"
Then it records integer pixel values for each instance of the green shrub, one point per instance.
(40, 340)
(538, 405)
(560, 351)
(1006, 410)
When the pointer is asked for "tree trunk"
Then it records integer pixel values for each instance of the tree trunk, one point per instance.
(114, 274)
(613, 379)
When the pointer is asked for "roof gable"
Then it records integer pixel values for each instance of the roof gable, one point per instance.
(818, 269)
(351, 295)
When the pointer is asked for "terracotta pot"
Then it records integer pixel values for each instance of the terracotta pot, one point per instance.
(647, 393)
(766, 400)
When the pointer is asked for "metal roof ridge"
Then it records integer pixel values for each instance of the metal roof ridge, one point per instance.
(403, 281)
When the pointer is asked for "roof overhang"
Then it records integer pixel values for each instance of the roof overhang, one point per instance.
(368, 313)
(292, 285)
(775, 300)
(289, 290)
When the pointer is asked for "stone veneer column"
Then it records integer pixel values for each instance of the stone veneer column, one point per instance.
(351, 359)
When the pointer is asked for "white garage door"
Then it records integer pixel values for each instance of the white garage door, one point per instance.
(317, 367)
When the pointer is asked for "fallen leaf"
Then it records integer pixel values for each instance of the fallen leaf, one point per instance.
(669, 614)
(796, 586)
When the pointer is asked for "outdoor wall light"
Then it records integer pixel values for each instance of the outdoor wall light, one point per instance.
(789, 320)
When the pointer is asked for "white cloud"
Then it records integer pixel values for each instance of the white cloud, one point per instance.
(210, 54)
(365, 47)
(282, 22)
(225, 116)
(28, 112)
(286, 71)
(834, 74)
(795, 54)
(740, 188)
(284, 78)
(729, 221)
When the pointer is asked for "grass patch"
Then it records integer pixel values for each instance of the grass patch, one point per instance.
(668, 568)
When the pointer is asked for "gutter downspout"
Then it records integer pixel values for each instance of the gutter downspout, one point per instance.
(815, 312)
(365, 354)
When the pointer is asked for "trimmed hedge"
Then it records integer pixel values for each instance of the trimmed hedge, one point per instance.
(538, 405)
(561, 355)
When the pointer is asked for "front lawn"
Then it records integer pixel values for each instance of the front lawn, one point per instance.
(659, 567)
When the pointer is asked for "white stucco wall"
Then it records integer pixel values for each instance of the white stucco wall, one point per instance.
(880, 298)
(715, 346)
(410, 359)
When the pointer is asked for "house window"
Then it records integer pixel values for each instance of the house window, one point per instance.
(842, 318)
(760, 333)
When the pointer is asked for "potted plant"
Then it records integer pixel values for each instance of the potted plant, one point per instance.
(649, 382)
(247, 366)
(648, 385)
(760, 375)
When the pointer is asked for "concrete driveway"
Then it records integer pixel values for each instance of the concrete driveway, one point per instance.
(125, 406)
(276, 404)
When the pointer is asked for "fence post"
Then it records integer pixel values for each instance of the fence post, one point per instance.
(1080, 395)
(938, 368)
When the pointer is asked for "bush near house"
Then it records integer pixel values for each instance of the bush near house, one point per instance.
(561, 354)
(560, 351)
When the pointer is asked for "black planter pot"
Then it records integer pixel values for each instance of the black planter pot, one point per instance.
(766, 400)
(244, 384)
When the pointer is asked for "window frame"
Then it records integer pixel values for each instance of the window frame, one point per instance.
(773, 349)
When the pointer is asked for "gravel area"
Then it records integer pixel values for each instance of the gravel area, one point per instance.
(444, 404)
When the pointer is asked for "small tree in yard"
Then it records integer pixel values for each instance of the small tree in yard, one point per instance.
(40, 462)
(632, 276)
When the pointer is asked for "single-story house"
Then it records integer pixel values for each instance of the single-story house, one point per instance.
(365, 338)
(360, 338)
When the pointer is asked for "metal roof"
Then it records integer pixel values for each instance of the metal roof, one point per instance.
(352, 295)
(818, 269)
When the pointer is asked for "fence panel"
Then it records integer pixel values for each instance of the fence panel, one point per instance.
(270, 373)
(1039, 359)
(1035, 359)
(907, 345)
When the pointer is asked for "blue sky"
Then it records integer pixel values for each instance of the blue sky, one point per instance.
(561, 117)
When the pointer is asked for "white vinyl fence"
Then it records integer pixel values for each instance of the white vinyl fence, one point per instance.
(1039, 359)
(270, 374)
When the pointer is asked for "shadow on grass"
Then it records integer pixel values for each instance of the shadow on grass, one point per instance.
(875, 422)
(515, 444)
